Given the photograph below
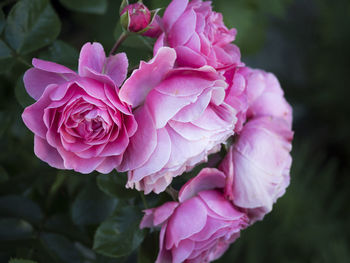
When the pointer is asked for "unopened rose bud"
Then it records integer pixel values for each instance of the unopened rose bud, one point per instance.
(135, 17)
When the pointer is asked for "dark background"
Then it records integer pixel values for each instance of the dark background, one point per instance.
(52, 216)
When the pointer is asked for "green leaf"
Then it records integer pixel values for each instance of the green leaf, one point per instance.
(61, 53)
(16, 260)
(120, 235)
(62, 248)
(92, 206)
(2, 20)
(114, 185)
(21, 94)
(86, 6)
(20, 207)
(3, 175)
(5, 57)
(31, 25)
(15, 229)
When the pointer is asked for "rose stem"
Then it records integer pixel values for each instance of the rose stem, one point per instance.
(120, 40)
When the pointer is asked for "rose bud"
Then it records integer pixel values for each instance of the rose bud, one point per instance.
(135, 17)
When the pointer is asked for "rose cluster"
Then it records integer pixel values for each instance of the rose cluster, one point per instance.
(167, 117)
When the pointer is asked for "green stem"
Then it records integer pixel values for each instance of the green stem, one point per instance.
(60, 178)
(23, 61)
(173, 193)
(144, 200)
(120, 40)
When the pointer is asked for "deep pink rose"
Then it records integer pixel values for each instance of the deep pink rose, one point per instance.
(201, 226)
(182, 118)
(78, 120)
(265, 95)
(198, 35)
(258, 165)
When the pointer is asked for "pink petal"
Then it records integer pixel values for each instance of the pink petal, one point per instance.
(183, 29)
(143, 80)
(182, 150)
(93, 57)
(117, 68)
(211, 227)
(208, 178)
(163, 212)
(189, 58)
(33, 115)
(217, 203)
(164, 256)
(47, 153)
(194, 110)
(51, 67)
(173, 12)
(182, 251)
(159, 157)
(178, 225)
(142, 144)
(109, 164)
(210, 120)
(36, 81)
(118, 146)
(84, 166)
(164, 107)
(187, 82)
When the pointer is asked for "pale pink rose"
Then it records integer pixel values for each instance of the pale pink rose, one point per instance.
(78, 120)
(265, 95)
(257, 166)
(182, 118)
(201, 226)
(198, 35)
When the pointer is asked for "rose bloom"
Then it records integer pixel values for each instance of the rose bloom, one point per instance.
(78, 120)
(198, 35)
(257, 166)
(201, 226)
(182, 118)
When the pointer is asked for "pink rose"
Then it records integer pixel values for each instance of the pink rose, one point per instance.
(198, 35)
(78, 120)
(201, 226)
(182, 118)
(258, 165)
(265, 95)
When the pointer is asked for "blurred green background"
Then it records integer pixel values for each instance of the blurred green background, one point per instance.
(52, 216)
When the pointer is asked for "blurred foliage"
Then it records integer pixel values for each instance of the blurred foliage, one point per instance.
(61, 217)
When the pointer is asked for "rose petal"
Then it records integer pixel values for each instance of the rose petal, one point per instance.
(47, 153)
(173, 12)
(143, 80)
(208, 178)
(159, 157)
(178, 225)
(117, 68)
(93, 57)
(146, 136)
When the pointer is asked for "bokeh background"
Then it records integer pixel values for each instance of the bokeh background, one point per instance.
(52, 216)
